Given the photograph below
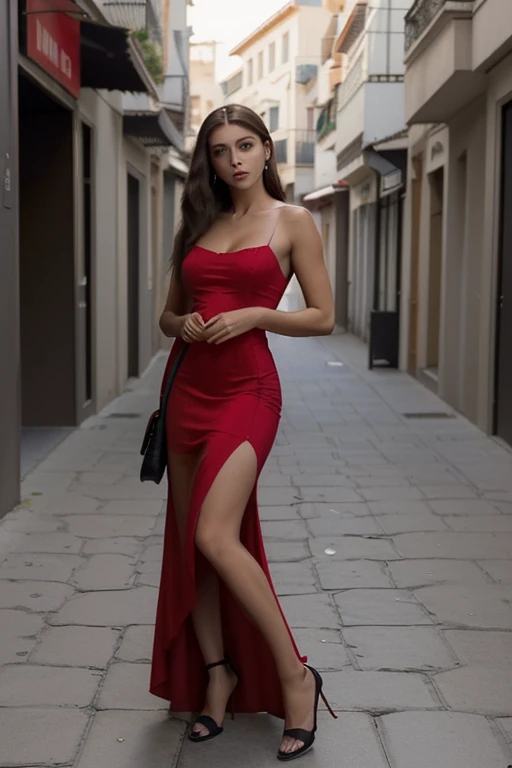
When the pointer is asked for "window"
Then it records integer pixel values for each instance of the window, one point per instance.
(271, 57)
(273, 115)
(260, 65)
(285, 54)
(250, 72)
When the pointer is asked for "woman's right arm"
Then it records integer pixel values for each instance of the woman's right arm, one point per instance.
(174, 315)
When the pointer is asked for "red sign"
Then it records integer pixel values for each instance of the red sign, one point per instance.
(53, 41)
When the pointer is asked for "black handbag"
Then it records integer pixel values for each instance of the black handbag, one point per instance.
(154, 445)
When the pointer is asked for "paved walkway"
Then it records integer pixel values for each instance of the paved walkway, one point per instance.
(391, 544)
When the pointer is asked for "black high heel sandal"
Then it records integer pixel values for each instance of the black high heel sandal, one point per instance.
(208, 722)
(307, 737)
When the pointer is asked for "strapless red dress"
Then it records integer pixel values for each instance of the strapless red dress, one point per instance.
(223, 396)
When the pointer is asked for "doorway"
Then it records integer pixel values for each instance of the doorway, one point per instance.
(503, 371)
(47, 272)
(436, 180)
(133, 274)
(85, 279)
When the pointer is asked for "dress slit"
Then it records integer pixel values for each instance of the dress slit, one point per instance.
(178, 667)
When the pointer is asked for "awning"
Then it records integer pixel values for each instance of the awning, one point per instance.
(110, 60)
(319, 194)
(153, 129)
(178, 166)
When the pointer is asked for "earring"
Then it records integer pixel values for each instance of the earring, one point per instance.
(214, 178)
(266, 166)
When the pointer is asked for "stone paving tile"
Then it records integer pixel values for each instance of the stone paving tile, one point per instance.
(25, 685)
(40, 735)
(286, 551)
(335, 494)
(393, 524)
(37, 596)
(398, 507)
(19, 630)
(137, 644)
(310, 611)
(484, 689)
(470, 606)
(505, 724)
(105, 572)
(353, 548)
(403, 648)
(293, 530)
(499, 570)
(109, 609)
(487, 523)
(76, 646)
(442, 739)
(65, 503)
(150, 507)
(119, 545)
(276, 497)
(39, 567)
(279, 513)
(346, 511)
(334, 524)
(419, 573)
(126, 686)
(383, 607)
(469, 507)
(350, 574)
(454, 544)
(123, 739)
(293, 578)
(378, 691)
(481, 648)
(50, 543)
(98, 526)
(323, 647)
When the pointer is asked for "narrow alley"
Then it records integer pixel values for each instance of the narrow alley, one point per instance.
(388, 524)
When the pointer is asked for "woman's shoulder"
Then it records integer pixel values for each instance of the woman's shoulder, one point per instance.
(295, 218)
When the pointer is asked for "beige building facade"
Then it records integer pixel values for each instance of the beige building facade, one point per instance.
(456, 303)
(277, 78)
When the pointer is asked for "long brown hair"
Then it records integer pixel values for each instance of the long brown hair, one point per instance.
(203, 200)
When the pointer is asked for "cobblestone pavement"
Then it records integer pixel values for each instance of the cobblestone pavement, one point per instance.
(390, 540)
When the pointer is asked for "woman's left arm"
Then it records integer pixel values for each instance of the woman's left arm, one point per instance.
(309, 267)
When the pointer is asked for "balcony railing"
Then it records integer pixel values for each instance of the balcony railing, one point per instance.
(304, 142)
(305, 147)
(422, 13)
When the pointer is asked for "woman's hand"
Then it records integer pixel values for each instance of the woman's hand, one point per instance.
(192, 328)
(227, 325)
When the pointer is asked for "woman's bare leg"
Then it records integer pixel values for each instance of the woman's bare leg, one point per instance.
(206, 614)
(218, 538)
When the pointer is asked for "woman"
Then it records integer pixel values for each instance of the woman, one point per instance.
(220, 633)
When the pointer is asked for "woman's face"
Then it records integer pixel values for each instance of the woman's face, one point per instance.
(238, 155)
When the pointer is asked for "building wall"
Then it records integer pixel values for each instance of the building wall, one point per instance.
(469, 149)
(499, 93)
(103, 111)
(9, 280)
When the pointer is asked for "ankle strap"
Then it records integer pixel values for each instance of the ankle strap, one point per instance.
(221, 663)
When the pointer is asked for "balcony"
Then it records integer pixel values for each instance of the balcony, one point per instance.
(440, 79)
(424, 12)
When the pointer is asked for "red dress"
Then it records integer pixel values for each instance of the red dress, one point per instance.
(223, 396)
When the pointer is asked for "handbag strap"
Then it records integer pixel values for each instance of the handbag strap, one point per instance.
(171, 377)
